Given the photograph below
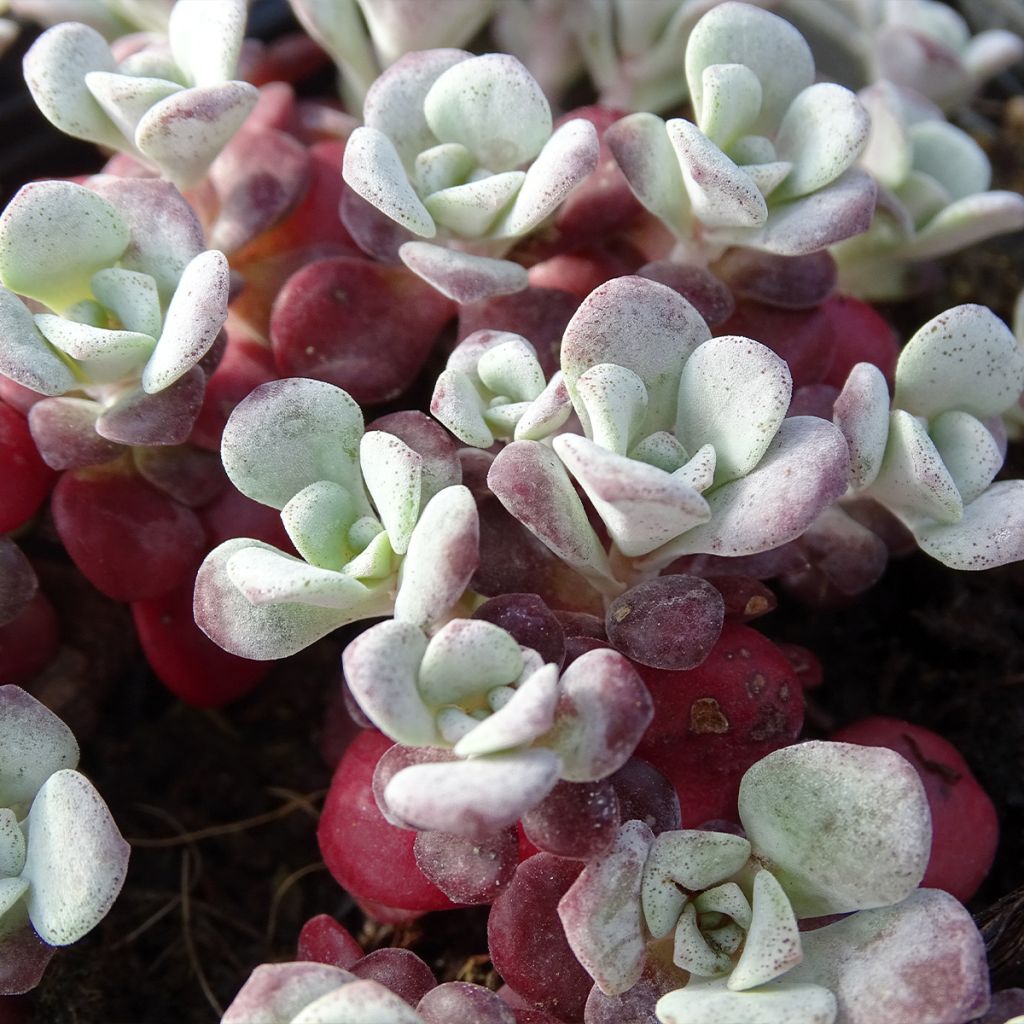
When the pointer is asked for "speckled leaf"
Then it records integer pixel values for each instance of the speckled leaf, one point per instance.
(318, 520)
(968, 450)
(105, 356)
(772, 944)
(360, 1002)
(469, 209)
(457, 404)
(548, 411)
(398, 28)
(392, 472)
(274, 993)
(462, 276)
(132, 297)
(615, 401)
(692, 952)
(964, 222)
(466, 658)
(844, 827)
(861, 412)
(126, 98)
(206, 38)
(136, 418)
(730, 102)
(25, 355)
(713, 1003)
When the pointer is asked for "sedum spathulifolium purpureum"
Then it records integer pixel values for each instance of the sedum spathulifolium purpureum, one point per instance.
(380, 525)
(685, 445)
(125, 303)
(769, 162)
(170, 100)
(513, 725)
(711, 919)
(931, 454)
(62, 859)
(459, 151)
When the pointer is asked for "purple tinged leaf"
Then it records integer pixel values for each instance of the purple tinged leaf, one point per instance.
(601, 912)
(276, 992)
(126, 98)
(381, 668)
(920, 960)
(913, 480)
(772, 944)
(965, 358)
(137, 418)
(461, 276)
(576, 819)
(55, 69)
(803, 471)
(722, 195)
(18, 581)
(458, 404)
(183, 133)
(361, 1002)
(290, 433)
(706, 291)
(392, 472)
(990, 533)
(23, 955)
(968, 451)
(964, 222)
(642, 326)
(190, 475)
(602, 714)
(528, 479)
(566, 159)
(861, 412)
(712, 1003)
(443, 554)
(440, 466)
(194, 318)
(730, 102)
(132, 297)
(26, 357)
(76, 860)
(467, 871)
(548, 411)
(206, 38)
(642, 506)
(843, 827)
(473, 798)
(733, 395)
(821, 135)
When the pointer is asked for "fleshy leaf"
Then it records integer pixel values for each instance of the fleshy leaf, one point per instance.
(465, 659)
(470, 208)
(276, 992)
(861, 412)
(691, 950)
(107, 356)
(473, 798)
(206, 38)
(363, 1001)
(126, 98)
(615, 401)
(392, 472)
(54, 236)
(546, 413)
(968, 451)
(463, 277)
(64, 432)
(318, 519)
(76, 860)
(132, 297)
(772, 945)
(951, 157)
(842, 827)
(290, 433)
(601, 912)
(712, 1003)
(25, 355)
(730, 102)
(166, 418)
(964, 222)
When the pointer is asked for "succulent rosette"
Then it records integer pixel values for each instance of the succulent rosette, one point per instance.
(169, 100)
(930, 456)
(769, 163)
(381, 525)
(934, 196)
(62, 859)
(829, 828)
(125, 304)
(685, 449)
(460, 149)
(513, 724)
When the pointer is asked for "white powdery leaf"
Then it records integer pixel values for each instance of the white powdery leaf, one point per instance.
(546, 413)
(530, 481)
(463, 277)
(132, 297)
(440, 167)
(803, 471)
(407, 25)
(469, 209)
(105, 356)
(913, 480)
(457, 404)
(641, 147)
(377, 560)
(290, 433)
(990, 533)
(11, 889)
(25, 355)
(861, 412)
(318, 520)
(722, 195)
(699, 471)
(601, 912)
(772, 945)
(194, 318)
(692, 952)
(34, 743)
(615, 401)
(887, 154)
(393, 474)
(642, 506)
(694, 859)
(639, 324)
(54, 235)
(206, 38)
(965, 358)
(126, 98)
(274, 993)
(990, 52)
(842, 827)
(362, 1001)
(55, 68)
(265, 632)
(822, 134)
(730, 102)
(76, 860)
(184, 133)
(601, 716)
(734, 33)
(733, 395)
(443, 554)
(466, 658)
(12, 849)
(494, 107)
(382, 671)
(951, 157)
(922, 960)
(566, 159)
(511, 369)
(713, 1003)
(968, 451)
(968, 220)
(473, 798)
